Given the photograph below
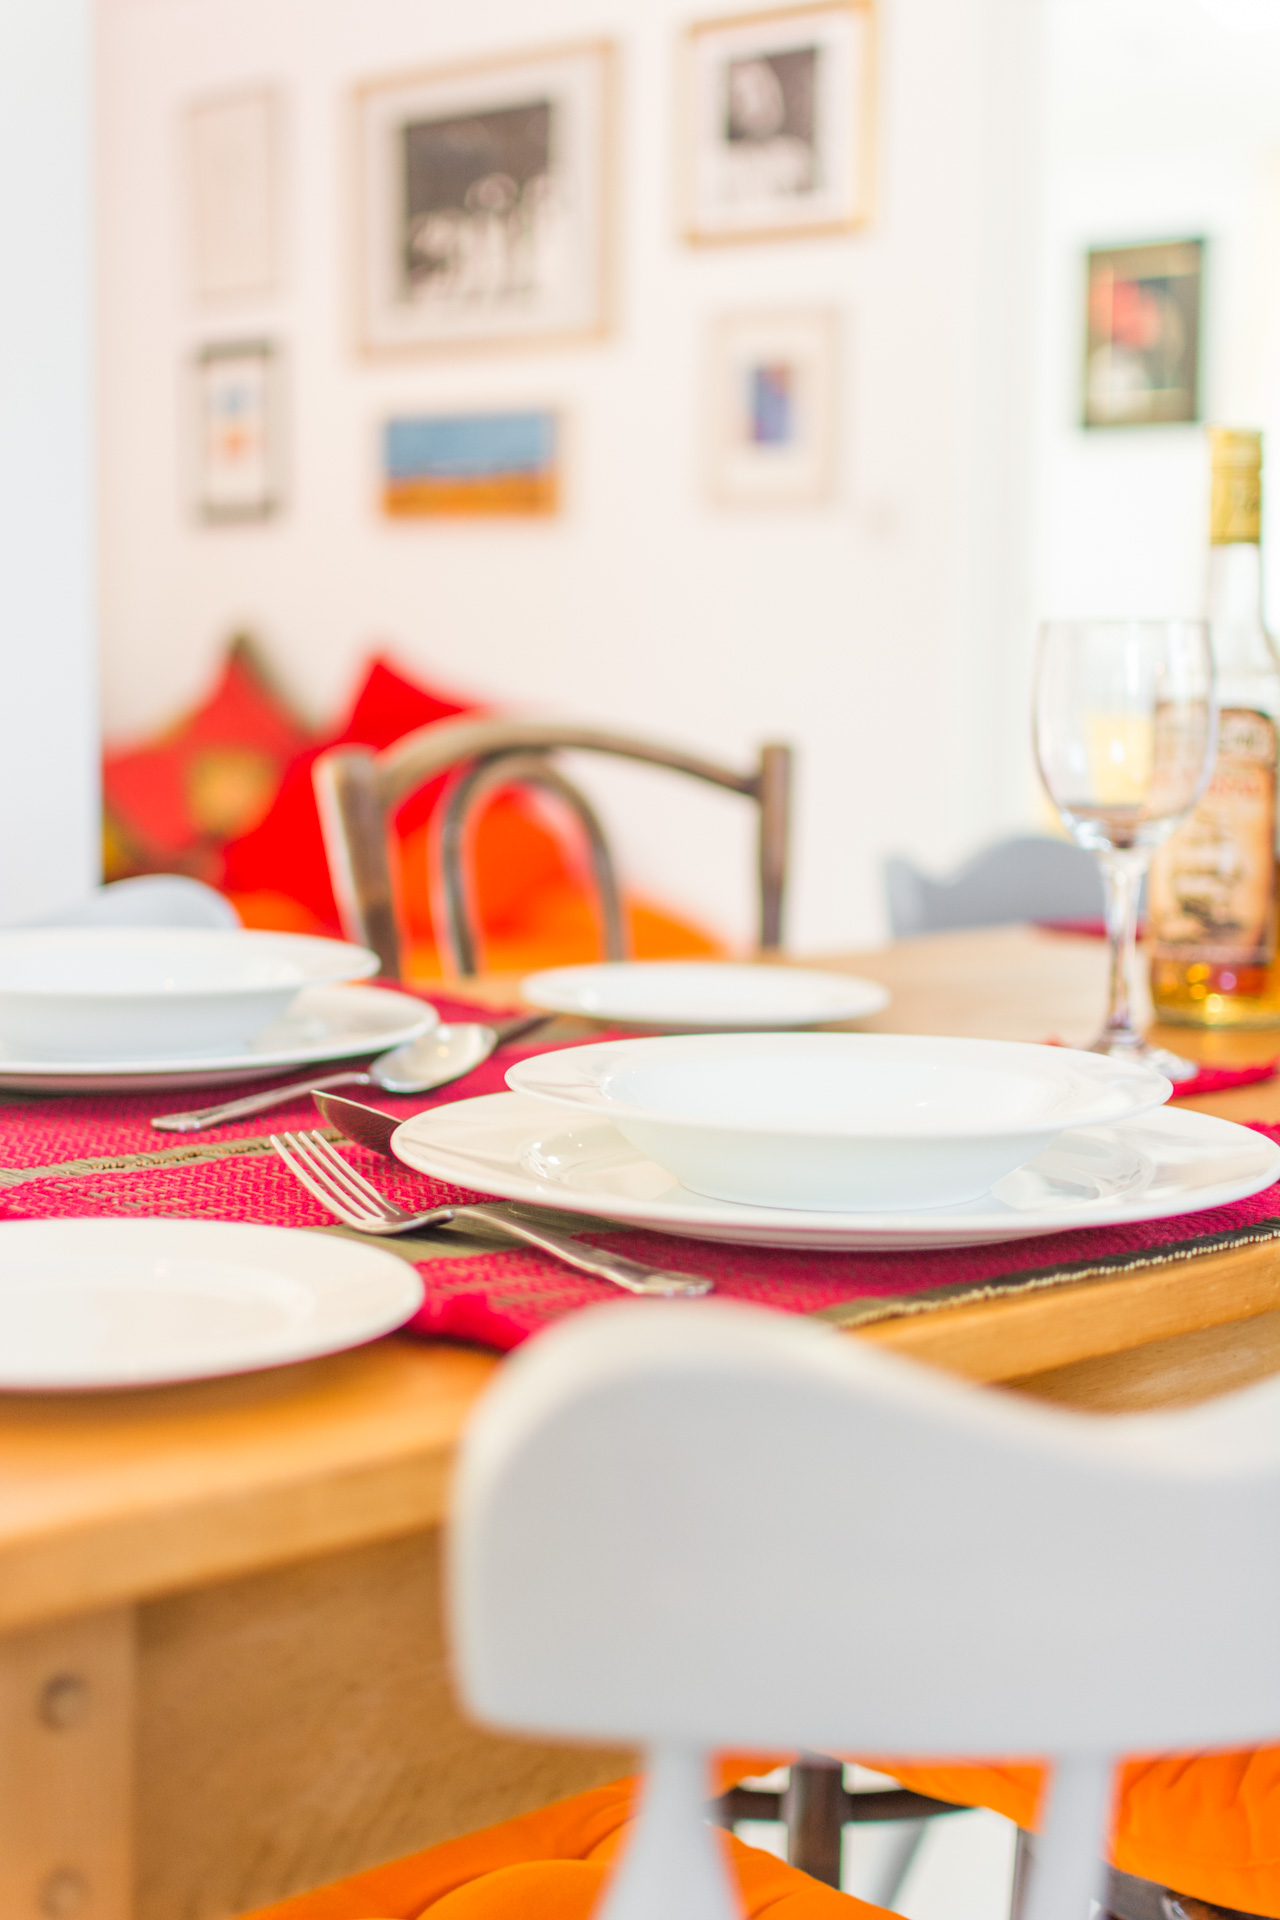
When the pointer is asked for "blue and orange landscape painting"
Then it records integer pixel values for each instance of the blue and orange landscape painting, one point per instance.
(471, 464)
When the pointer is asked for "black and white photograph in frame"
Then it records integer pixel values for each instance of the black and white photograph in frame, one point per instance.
(779, 135)
(773, 398)
(484, 202)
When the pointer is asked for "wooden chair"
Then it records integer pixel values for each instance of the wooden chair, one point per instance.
(357, 790)
(681, 1526)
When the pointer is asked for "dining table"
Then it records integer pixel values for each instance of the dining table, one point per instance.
(224, 1672)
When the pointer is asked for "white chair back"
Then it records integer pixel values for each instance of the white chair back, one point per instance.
(709, 1526)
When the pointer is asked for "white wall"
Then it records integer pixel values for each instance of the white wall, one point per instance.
(874, 632)
(1163, 124)
(48, 708)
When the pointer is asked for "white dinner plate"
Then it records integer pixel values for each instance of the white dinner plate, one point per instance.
(694, 995)
(127, 1303)
(1168, 1162)
(324, 1023)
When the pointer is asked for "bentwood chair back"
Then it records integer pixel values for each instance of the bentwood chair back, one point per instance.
(683, 1527)
(357, 790)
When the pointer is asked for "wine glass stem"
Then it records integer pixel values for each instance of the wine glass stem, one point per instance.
(1122, 874)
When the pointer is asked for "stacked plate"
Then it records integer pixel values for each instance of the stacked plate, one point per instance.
(841, 1140)
(109, 1008)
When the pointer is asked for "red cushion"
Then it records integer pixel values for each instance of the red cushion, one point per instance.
(171, 803)
(285, 853)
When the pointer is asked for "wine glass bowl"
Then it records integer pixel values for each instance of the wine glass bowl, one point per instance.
(1125, 737)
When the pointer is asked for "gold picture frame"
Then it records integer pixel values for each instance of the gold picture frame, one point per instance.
(777, 117)
(485, 196)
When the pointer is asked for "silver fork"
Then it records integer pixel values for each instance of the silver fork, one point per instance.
(334, 1182)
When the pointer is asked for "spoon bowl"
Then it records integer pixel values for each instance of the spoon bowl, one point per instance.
(433, 1060)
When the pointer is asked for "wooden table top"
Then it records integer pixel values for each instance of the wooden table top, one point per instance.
(112, 1497)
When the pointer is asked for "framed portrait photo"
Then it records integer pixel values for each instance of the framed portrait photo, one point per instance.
(238, 432)
(778, 136)
(772, 391)
(484, 201)
(1142, 352)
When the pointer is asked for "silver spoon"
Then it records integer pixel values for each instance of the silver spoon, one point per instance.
(432, 1060)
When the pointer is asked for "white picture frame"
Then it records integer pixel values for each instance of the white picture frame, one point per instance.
(485, 202)
(233, 144)
(778, 135)
(238, 432)
(772, 387)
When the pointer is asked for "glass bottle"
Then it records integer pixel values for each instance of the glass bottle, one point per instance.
(1213, 899)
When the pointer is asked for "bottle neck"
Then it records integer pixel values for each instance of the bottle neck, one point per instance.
(1235, 582)
(1243, 654)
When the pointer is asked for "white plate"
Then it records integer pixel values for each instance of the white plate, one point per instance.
(324, 1023)
(697, 994)
(1168, 1162)
(834, 1121)
(94, 993)
(126, 1303)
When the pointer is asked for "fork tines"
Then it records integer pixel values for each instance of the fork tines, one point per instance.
(333, 1181)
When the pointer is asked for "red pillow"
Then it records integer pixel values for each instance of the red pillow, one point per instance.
(170, 804)
(284, 854)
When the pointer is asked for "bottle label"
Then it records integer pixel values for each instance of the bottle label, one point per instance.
(1212, 890)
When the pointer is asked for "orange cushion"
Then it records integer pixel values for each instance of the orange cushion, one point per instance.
(550, 1865)
(1206, 1824)
(171, 803)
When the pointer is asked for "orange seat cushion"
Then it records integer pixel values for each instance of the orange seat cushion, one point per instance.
(551, 1865)
(1206, 1824)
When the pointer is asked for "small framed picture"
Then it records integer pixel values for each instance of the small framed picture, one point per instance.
(779, 136)
(485, 202)
(1142, 358)
(239, 431)
(471, 465)
(773, 398)
(233, 177)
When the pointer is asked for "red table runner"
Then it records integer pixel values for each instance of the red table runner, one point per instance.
(97, 1155)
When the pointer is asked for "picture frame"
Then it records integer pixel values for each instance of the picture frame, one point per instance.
(1143, 328)
(503, 464)
(773, 397)
(778, 123)
(485, 202)
(234, 213)
(238, 432)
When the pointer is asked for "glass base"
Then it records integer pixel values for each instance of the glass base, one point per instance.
(1172, 1065)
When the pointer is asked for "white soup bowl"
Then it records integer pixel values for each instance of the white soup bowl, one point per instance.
(840, 1121)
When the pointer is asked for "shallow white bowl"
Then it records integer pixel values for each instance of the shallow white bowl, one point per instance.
(109, 993)
(699, 994)
(840, 1121)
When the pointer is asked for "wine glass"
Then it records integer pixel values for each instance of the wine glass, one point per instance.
(1126, 729)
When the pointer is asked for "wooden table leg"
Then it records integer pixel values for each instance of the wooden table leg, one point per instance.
(66, 1770)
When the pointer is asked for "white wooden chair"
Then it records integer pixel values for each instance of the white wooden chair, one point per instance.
(682, 1527)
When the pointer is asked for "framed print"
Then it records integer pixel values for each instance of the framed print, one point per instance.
(485, 202)
(1142, 358)
(773, 398)
(238, 431)
(778, 134)
(471, 465)
(233, 148)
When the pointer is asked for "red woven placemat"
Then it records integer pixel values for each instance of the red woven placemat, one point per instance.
(97, 1155)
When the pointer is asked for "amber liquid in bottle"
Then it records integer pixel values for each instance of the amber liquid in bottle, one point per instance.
(1213, 913)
